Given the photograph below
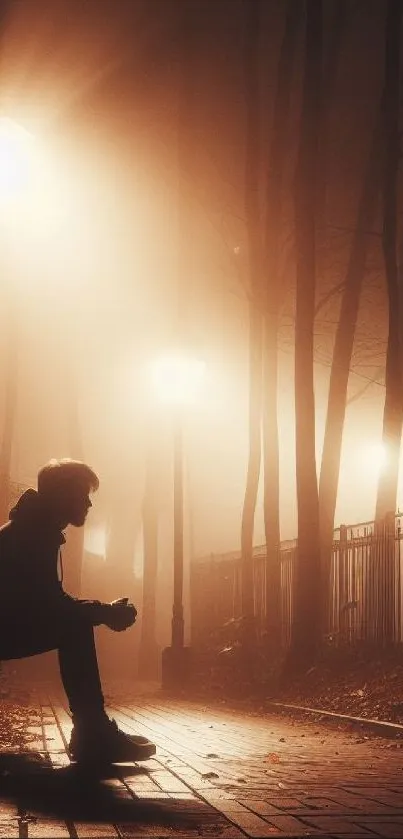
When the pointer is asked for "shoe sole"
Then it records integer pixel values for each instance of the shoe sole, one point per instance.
(140, 753)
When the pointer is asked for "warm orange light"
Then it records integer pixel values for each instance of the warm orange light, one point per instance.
(16, 154)
(95, 539)
(177, 379)
(35, 199)
(375, 455)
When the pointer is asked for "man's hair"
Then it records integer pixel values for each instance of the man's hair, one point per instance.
(57, 476)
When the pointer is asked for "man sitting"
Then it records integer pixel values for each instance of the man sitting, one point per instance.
(37, 615)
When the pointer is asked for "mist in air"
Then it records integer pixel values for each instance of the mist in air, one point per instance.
(131, 220)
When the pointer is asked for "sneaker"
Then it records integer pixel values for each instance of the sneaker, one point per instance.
(109, 745)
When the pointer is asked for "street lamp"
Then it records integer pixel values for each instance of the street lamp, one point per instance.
(16, 159)
(177, 380)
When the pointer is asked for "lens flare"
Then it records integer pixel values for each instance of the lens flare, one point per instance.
(16, 151)
(177, 379)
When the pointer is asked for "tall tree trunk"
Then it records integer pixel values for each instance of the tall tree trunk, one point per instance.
(305, 626)
(400, 306)
(341, 361)
(253, 228)
(393, 407)
(277, 163)
(254, 459)
(383, 558)
(148, 650)
(10, 400)
(184, 316)
(330, 66)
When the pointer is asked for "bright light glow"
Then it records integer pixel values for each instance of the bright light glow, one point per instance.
(376, 455)
(16, 152)
(37, 207)
(177, 379)
(95, 541)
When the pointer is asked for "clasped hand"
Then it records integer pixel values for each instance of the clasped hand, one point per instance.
(120, 615)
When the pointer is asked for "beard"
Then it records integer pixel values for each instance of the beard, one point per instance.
(78, 519)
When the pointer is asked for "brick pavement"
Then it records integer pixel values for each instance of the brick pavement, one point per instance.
(216, 773)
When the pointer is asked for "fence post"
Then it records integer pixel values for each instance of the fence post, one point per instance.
(342, 588)
(398, 583)
(389, 579)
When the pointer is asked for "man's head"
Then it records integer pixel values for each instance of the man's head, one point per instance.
(64, 487)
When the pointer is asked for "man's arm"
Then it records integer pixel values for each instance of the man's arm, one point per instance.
(118, 615)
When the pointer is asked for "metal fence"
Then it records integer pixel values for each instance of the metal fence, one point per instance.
(365, 586)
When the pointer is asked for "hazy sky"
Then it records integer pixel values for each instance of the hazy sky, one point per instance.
(93, 265)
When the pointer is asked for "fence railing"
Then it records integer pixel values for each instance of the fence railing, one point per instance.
(365, 586)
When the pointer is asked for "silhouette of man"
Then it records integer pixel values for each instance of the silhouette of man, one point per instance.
(37, 615)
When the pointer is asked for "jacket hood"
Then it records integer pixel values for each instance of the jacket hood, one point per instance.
(30, 513)
(27, 507)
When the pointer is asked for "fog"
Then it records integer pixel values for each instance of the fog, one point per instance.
(90, 256)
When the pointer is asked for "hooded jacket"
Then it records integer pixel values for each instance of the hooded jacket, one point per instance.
(29, 555)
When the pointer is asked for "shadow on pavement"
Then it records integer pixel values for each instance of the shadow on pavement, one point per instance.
(40, 790)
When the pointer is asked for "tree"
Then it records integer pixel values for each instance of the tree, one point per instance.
(306, 590)
(393, 407)
(254, 241)
(342, 355)
(272, 295)
(382, 558)
(148, 651)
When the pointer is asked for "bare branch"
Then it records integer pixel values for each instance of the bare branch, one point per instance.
(328, 296)
(364, 388)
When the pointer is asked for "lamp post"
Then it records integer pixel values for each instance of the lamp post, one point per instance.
(178, 624)
(148, 660)
(177, 380)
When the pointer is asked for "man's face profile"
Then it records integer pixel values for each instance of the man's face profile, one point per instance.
(75, 503)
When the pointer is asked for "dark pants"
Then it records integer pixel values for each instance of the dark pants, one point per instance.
(73, 637)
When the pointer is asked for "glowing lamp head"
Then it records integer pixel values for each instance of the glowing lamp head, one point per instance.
(378, 454)
(16, 147)
(177, 379)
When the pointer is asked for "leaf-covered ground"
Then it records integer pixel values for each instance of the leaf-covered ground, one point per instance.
(16, 717)
(350, 681)
(371, 689)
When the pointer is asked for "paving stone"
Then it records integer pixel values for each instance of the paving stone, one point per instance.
(89, 830)
(9, 825)
(252, 824)
(383, 827)
(260, 807)
(291, 826)
(49, 828)
(214, 774)
(334, 826)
